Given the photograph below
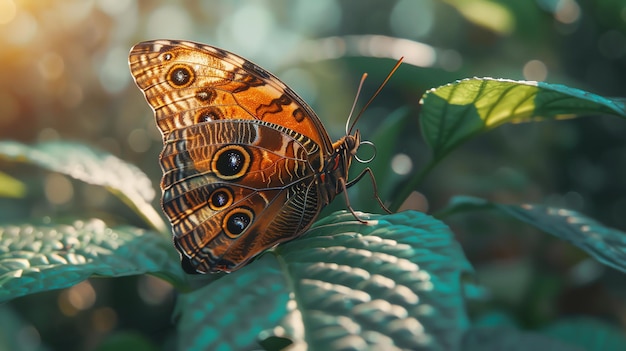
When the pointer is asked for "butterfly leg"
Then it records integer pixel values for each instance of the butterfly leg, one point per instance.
(344, 187)
(369, 172)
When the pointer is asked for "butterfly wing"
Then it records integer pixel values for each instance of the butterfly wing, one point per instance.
(241, 151)
(188, 83)
(230, 194)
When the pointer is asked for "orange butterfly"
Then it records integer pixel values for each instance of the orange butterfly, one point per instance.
(246, 162)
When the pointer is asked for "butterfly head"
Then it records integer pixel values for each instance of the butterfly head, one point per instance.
(353, 141)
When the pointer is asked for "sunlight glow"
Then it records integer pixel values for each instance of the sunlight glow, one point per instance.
(7, 11)
(487, 14)
(169, 21)
(114, 8)
(51, 66)
(21, 30)
(414, 52)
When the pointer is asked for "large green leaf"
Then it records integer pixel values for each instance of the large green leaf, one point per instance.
(46, 257)
(392, 284)
(91, 166)
(456, 112)
(510, 339)
(605, 244)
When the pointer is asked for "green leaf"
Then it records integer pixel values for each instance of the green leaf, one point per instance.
(606, 245)
(395, 282)
(94, 167)
(11, 187)
(588, 334)
(14, 326)
(54, 256)
(456, 112)
(127, 340)
(499, 338)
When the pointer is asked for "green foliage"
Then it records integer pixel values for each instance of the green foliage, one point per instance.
(36, 258)
(395, 283)
(392, 283)
(457, 112)
(606, 245)
(80, 162)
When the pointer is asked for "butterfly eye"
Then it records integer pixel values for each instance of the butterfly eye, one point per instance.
(231, 162)
(208, 114)
(237, 221)
(180, 76)
(206, 95)
(220, 198)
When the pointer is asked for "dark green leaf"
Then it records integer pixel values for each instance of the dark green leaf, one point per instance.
(127, 341)
(13, 326)
(384, 139)
(230, 313)
(606, 245)
(55, 256)
(91, 166)
(509, 339)
(588, 334)
(344, 285)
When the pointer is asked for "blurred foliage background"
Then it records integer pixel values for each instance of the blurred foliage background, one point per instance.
(64, 75)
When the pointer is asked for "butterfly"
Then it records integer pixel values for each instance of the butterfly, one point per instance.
(246, 162)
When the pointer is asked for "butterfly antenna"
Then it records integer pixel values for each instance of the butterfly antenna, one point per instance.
(349, 125)
(356, 98)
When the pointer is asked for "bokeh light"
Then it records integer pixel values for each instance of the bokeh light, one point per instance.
(8, 10)
(80, 297)
(59, 190)
(567, 11)
(169, 21)
(154, 291)
(535, 70)
(412, 19)
(104, 319)
(402, 164)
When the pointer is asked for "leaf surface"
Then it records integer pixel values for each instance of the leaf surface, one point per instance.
(392, 284)
(606, 245)
(453, 113)
(91, 166)
(54, 256)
